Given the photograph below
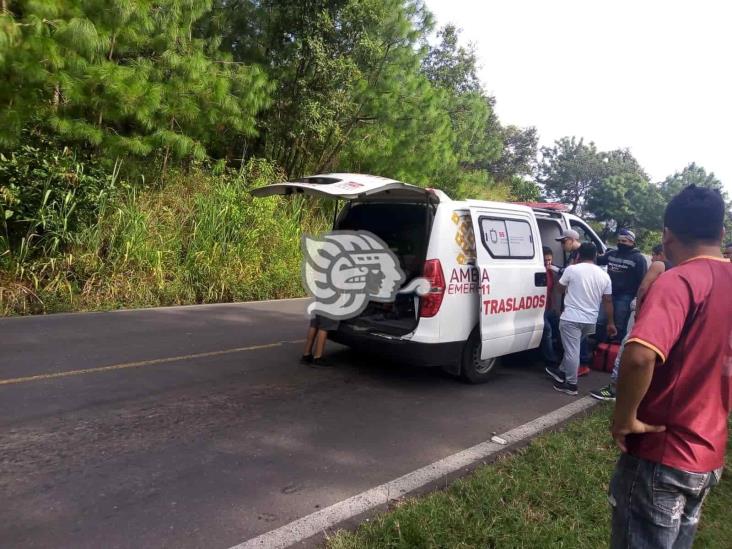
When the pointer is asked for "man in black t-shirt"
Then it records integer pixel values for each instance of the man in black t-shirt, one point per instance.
(626, 266)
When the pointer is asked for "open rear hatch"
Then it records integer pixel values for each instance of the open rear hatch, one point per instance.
(405, 227)
(346, 186)
(399, 213)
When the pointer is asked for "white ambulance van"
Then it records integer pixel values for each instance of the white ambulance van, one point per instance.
(483, 259)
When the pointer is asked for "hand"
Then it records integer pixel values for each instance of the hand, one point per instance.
(635, 426)
(553, 268)
(612, 331)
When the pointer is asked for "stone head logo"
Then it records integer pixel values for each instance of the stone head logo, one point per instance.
(344, 270)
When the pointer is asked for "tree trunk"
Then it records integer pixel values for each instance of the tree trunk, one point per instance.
(167, 153)
(111, 46)
(165, 162)
(373, 78)
(56, 97)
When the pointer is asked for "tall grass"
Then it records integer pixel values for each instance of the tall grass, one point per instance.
(199, 239)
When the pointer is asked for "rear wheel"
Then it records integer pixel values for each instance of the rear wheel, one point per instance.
(473, 369)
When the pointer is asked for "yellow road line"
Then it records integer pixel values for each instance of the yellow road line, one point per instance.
(140, 363)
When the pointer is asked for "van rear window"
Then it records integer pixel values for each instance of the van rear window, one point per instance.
(507, 238)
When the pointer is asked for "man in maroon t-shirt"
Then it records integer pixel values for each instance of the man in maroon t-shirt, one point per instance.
(674, 390)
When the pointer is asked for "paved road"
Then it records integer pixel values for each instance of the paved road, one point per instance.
(230, 440)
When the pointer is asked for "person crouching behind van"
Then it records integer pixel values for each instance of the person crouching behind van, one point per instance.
(551, 321)
(317, 336)
(587, 287)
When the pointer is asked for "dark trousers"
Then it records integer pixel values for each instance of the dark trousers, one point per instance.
(621, 313)
(551, 331)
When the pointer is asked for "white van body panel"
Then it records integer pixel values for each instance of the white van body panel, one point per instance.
(509, 253)
(459, 310)
(502, 295)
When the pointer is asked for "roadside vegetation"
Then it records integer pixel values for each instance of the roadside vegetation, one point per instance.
(550, 494)
(199, 238)
(131, 131)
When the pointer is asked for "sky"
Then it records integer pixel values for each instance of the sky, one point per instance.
(648, 75)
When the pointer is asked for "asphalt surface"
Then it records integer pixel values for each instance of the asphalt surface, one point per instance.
(230, 440)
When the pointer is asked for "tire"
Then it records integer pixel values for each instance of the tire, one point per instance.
(473, 369)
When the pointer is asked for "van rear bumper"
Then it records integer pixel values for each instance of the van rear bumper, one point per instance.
(402, 350)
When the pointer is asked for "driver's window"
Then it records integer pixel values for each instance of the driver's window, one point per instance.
(585, 235)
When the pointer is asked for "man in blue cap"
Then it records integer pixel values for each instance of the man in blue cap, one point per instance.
(626, 266)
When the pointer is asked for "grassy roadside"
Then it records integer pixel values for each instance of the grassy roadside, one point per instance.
(201, 238)
(550, 494)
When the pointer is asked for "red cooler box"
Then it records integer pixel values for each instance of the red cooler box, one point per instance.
(604, 357)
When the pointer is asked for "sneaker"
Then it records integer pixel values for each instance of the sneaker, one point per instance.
(306, 359)
(320, 362)
(606, 393)
(565, 387)
(555, 373)
(583, 370)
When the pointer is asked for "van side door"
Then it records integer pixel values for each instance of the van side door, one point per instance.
(513, 278)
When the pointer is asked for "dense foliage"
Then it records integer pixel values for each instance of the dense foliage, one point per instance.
(612, 188)
(109, 108)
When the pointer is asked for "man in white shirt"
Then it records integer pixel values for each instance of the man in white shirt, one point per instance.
(587, 287)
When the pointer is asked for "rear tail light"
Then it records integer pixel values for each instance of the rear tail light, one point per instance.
(429, 304)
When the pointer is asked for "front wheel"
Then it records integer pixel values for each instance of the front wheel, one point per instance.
(473, 369)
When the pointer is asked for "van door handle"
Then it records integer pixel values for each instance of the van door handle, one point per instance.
(540, 279)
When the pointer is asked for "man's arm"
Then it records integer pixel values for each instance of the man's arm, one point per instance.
(641, 267)
(656, 270)
(602, 259)
(564, 279)
(636, 373)
(607, 302)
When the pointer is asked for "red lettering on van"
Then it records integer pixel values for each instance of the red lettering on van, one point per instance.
(497, 306)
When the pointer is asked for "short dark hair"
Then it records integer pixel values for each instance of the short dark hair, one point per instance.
(696, 214)
(587, 251)
(547, 250)
(657, 249)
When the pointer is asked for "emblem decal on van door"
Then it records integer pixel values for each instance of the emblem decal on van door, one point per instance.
(344, 270)
(464, 238)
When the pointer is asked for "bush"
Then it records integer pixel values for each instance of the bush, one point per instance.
(47, 194)
(199, 239)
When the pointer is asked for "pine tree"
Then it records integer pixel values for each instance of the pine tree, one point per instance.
(128, 77)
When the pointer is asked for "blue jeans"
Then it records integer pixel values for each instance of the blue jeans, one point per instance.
(621, 313)
(551, 329)
(616, 365)
(655, 506)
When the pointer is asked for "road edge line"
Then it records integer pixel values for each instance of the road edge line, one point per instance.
(154, 308)
(320, 521)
